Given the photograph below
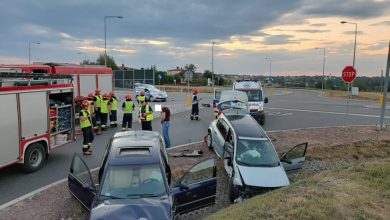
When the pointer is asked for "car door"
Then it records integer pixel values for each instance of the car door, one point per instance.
(197, 188)
(80, 182)
(219, 135)
(294, 158)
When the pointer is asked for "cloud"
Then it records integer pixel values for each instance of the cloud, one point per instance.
(384, 23)
(353, 32)
(347, 8)
(279, 39)
(318, 25)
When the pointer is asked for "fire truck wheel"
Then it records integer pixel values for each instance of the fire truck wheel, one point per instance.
(34, 157)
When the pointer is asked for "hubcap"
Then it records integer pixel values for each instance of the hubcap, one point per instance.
(35, 158)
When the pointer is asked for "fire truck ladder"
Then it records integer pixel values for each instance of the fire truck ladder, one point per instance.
(28, 79)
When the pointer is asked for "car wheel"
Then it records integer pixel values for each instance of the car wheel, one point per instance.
(164, 100)
(233, 190)
(34, 157)
(151, 99)
(209, 140)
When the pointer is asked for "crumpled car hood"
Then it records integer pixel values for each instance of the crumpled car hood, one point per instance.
(264, 176)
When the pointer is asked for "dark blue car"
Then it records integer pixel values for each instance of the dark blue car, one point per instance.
(133, 181)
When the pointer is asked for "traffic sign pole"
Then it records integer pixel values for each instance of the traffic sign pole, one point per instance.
(385, 89)
(348, 76)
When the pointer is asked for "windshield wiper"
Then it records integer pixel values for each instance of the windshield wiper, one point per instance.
(112, 197)
(143, 195)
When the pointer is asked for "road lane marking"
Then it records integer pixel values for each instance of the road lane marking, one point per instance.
(325, 112)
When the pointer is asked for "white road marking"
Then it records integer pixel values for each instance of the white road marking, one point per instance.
(325, 112)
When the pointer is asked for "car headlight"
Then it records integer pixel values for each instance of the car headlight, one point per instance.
(261, 108)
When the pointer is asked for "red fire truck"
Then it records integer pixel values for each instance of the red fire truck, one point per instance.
(37, 115)
(86, 78)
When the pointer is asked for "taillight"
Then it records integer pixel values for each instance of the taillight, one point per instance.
(214, 105)
(219, 113)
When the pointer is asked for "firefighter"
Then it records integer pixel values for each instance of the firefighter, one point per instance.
(128, 108)
(141, 97)
(98, 101)
(92, 107)
(86, 127)
(113, 109)
(104, 110)
(195, 105)
(146, 116)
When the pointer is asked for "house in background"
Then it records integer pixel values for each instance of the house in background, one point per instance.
(174, 71)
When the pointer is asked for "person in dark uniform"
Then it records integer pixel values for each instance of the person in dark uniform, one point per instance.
(128, 108)
(195, 105)
(146, 116)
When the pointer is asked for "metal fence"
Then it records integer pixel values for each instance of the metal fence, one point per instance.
(127, 78)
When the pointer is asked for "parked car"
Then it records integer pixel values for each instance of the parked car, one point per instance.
(133, 181)
(227, 96)
(250, 158)
(152, 93)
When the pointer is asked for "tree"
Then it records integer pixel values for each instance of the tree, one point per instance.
(207, 74)
(190, 67)
(88, 62)
(110, 62)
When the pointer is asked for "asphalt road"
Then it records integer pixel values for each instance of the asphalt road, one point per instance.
(285, 110)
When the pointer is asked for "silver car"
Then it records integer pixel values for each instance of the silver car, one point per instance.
(250, 158)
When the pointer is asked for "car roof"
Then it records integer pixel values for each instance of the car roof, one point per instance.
(244, 124)
(135, 147)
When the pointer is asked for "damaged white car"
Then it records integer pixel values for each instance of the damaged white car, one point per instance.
(250, 159)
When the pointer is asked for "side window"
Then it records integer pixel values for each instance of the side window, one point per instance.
(103, 164)
(80, 170)
(200, 172)
(219, 125)
(297, 152)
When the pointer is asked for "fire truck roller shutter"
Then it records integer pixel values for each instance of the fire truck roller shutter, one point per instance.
(33, 113)
(87, 84)
(9, 135)
(105, 83)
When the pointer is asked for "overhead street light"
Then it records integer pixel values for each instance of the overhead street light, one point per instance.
(212, 63)
(354, 48)
(29, 50)
(85, 55)
(105, 36)
(270, 67)
(323, 67)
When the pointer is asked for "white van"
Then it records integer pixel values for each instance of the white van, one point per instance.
(256, 98)
(230, 99)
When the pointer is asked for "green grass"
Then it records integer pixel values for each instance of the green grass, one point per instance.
(358, 192)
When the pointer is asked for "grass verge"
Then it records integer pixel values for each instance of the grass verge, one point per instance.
(374, 96)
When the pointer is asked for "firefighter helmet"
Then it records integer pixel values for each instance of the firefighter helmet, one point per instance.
(106, 96)
(85, 104)
(129, 96)
(112, 93)
(91, 96)
(97, 91)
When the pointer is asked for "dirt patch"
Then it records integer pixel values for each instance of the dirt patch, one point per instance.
(374, 96)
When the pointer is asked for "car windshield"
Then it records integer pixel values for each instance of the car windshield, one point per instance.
(256, 152)
(153, 89)
(254, 95)
(133, 181)
(232, 104)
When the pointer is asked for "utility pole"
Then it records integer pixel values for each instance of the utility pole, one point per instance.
(385, 89)
(212, 63)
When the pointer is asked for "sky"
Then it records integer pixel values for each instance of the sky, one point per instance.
(173, 33)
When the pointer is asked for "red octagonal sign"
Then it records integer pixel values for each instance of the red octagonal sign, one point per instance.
(349, 74)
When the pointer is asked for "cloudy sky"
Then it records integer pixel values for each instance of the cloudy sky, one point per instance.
(171, 33)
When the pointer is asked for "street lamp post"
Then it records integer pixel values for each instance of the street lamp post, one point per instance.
(85, 55)
(29, 50)
(105, 36)
(323, 67)
(270, 67)
(354, 48)
(212, 63)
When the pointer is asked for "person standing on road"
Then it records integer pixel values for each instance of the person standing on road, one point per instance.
(165, 118)
(92, 107)
(86, 127)
(98, 100)
(104, 110)
(128, 108)
(113, 109)
(195, 105)
(141, 97)
(146, 116)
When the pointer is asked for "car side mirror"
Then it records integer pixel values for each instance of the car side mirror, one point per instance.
(183, 186)
(284, 159)
(266, 100)
(228, 149)
(88, 187)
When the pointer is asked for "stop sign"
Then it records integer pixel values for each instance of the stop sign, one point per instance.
(349, 74)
